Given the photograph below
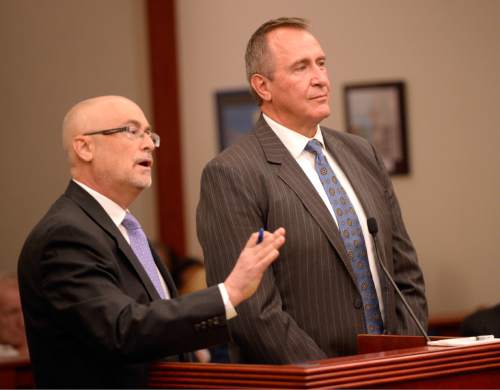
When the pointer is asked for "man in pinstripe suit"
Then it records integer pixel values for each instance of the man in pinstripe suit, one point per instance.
(310, 305)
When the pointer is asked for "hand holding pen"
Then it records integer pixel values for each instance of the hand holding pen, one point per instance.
(258, 254)
(260, 237)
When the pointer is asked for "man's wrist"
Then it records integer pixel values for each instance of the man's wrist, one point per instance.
(230, 310)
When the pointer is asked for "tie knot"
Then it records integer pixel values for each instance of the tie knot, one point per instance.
(314, 146)
(130, 223)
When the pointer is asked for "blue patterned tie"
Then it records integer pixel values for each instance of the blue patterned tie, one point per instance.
(352, 235)
(140, 246)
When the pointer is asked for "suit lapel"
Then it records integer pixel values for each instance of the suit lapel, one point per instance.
(95, 211)
(167, 277)
(349, 164)
(293, 175)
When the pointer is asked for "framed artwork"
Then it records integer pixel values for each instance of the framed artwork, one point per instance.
(237, 112)
(376, 111)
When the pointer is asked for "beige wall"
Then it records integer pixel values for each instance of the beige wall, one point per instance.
(55, 53)
(446, 51)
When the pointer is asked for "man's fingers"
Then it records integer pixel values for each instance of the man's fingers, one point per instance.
(268, 252)
(266, 260)
(271, 237)
(252, 241)
(253, 261)
(268, 238)
(279, 232)
(272, 241)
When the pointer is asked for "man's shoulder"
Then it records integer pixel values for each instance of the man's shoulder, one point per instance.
(347, 140)
(64, 216)
(246, 151)
(345, 137)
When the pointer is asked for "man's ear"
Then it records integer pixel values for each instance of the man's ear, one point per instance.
(83, 148)
(260, 85)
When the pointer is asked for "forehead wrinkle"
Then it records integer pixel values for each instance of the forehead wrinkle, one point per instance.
(278, 40)
(136, 123)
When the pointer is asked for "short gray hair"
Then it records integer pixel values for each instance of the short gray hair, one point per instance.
(258, 58)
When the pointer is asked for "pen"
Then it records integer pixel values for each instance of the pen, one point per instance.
(261, 235)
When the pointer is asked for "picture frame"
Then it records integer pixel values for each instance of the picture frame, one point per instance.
(237, 113)
(377, 112)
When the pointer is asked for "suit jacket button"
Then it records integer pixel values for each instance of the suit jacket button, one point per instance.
(358, 304)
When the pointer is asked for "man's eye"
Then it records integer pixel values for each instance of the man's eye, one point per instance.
(133, 130)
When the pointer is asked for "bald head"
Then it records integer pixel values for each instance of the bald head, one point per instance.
(85, 116)
(117, 164)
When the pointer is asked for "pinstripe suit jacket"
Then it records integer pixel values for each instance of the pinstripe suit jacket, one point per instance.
(308, 306)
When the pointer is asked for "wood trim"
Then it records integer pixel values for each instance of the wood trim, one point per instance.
(166, 119)
(418, 367)
(15, 373)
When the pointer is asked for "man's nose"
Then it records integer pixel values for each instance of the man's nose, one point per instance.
(147, 142)
(320, 77)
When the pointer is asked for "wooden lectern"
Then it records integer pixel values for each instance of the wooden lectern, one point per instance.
(383, 362)
(15, 373)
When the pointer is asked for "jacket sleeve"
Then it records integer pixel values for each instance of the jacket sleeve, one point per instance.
(81, 283)
(230, 209)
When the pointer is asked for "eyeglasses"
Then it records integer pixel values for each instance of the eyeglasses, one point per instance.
(131, 132)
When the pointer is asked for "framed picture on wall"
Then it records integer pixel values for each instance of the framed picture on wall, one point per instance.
(237, 112)
(376, 111)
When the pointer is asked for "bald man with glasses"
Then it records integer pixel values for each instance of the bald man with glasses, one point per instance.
(99, 305)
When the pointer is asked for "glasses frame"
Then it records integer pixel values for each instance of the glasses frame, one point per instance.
(126, 129)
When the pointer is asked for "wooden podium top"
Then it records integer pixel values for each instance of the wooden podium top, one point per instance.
(415, 367)
(388, 362)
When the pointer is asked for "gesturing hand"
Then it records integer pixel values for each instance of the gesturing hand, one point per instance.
(246, 275)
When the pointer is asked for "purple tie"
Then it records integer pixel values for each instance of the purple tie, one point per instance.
(140, 246)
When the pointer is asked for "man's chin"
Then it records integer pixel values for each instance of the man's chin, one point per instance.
(147, 184)
(142, 184)
(322, 113)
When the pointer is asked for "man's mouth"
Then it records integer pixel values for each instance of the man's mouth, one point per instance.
(145, 162)
(319, 97)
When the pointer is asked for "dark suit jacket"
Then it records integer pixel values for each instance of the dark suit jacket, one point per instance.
(308, 306)
(93, 317)
(482, 322)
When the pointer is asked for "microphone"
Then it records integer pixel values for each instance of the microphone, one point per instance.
(373, 229)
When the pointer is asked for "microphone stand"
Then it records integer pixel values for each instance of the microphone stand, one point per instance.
(373, 229)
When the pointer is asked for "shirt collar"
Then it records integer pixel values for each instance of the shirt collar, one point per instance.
(115, 211)
(293, 141)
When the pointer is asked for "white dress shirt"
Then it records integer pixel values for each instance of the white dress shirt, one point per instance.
(296, 143)
(117, 214)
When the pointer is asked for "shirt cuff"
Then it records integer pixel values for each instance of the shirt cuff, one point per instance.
(230, 310)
